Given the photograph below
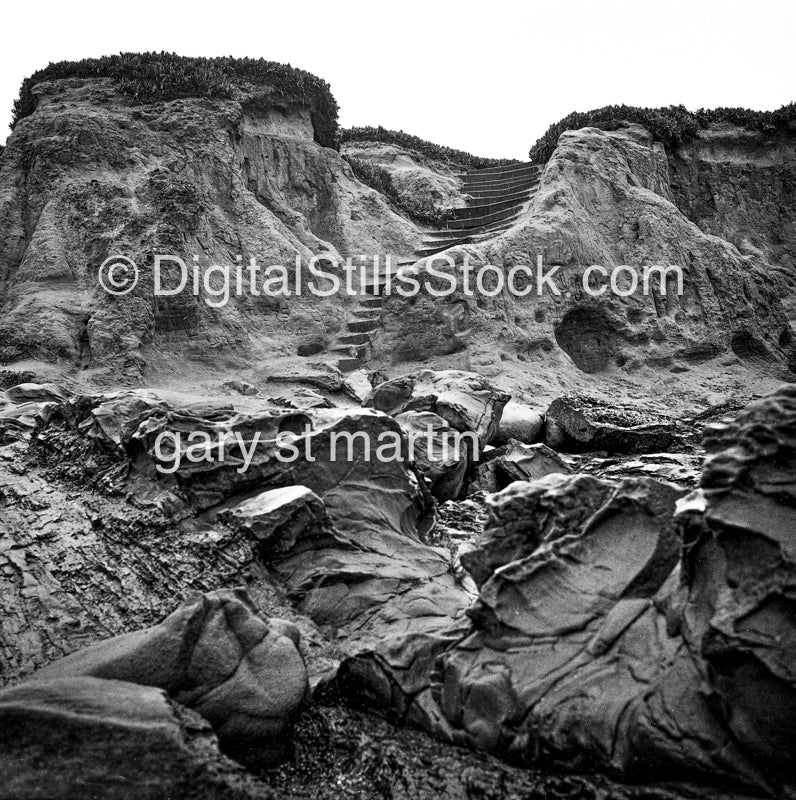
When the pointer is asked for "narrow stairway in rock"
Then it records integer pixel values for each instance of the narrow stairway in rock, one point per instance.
(353, 346)
(496, 198)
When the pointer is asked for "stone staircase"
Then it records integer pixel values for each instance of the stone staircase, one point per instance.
(497, 197)
(353, 346)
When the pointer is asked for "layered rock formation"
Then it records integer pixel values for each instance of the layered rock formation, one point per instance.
(738, 538)
(607, 634)
(739, 185)
(93, 738)
(340, 520)
(89, 175)
(419, 178)
(605, 199)
(242, 673)
(601, 620)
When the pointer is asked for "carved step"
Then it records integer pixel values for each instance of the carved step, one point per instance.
(476, 211)
(430, 236)
(349, 364)
(365, 313)
(486, 219)
(488, 198)
(352, 351)
(497, 187)
(364, 325)
(522, 166)
(353, 338)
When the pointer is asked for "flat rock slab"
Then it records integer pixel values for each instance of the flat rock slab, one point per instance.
(440, 452)
(91, 739)
(465, 400)
(625, 627)
(518, 462)
(571, 424)
(519, 422)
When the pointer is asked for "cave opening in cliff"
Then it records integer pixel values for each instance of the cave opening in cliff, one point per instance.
(584, 334)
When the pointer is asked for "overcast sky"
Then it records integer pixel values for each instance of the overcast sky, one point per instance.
(488, 77)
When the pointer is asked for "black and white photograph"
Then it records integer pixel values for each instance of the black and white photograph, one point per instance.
(398, 401)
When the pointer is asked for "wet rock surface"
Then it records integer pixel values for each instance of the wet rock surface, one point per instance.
(244, 674)
(519, 422)
(465, 400)
(738, 536)
(565, 621)
(610, 633)
(440, 452)
(93, 738)
(576, 424)
(517, 462)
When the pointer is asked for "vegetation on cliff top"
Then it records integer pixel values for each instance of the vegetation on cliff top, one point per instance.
(455, 158)
(420, 209)
(674, 126)
(151, 77)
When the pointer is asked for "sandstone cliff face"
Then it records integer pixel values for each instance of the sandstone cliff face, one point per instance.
(741, 185)
(414, 175)
(88, 175)
(605, 198)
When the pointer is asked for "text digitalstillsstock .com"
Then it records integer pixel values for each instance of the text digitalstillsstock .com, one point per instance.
(326, 276)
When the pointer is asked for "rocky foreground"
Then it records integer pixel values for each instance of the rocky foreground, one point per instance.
(563, 569)
(201, 602)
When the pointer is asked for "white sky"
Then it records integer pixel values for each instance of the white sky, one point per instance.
(488, 77)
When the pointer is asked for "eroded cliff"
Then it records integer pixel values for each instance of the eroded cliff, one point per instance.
(610, 198)
(89, 175)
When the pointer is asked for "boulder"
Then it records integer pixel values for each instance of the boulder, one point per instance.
(302, 399)
(465, 400)
(218, 656)
(612, 633)
(323, 376)
(519, 422)
(85, 738)
(739, 535)
(572, 424)
(441, 453)
(370, 584)
(18, 420)
(277, 518)
(518, 462)
(358, 387)
(36, 393)
(570, 656)
(241, 387)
